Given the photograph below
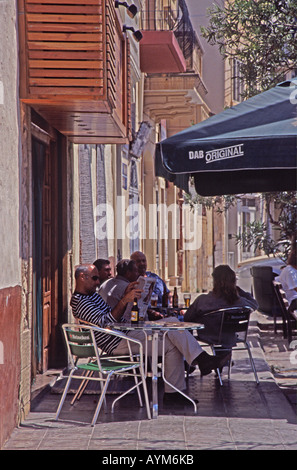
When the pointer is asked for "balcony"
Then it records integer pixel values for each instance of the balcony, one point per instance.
(74, 68)
(171, 54)
(160, 53)
(169, 41)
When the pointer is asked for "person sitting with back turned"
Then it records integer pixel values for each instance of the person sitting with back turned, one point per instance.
(288, 279)
(160, 286)
(113, 290)
(88, 305)
(225, 294)
(104, 269)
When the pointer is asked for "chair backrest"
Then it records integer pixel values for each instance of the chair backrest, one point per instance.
(225, 323)
(81, 343)
(281, 297)
(262, 287)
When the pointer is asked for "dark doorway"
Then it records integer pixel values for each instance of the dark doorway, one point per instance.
(42, 214)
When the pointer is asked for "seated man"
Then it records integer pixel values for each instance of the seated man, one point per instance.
(104, 269)
(89, 306)
(288, 279)
(160, 286)
(113, 290)
(225, 294)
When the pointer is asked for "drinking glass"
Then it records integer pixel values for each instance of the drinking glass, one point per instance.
(154, 300)
(187, 299)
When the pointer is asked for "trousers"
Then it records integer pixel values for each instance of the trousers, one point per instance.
(179, 346)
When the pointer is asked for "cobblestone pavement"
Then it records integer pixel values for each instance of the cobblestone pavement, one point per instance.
(238, 416)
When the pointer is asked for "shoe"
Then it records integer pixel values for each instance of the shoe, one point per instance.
(189, 369)
(176, 399)
(208, 363)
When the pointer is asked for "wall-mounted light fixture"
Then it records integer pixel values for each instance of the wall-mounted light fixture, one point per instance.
(137, 34)
(131, 9)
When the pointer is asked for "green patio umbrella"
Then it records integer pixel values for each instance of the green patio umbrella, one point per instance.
(251, 147)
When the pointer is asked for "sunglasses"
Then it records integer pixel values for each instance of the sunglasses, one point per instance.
(95, 278)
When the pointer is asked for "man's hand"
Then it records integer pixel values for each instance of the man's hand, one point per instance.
(131, 295)
(154, 315)
(131, 286)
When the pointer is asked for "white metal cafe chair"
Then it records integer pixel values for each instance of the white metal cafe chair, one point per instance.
(84, 355)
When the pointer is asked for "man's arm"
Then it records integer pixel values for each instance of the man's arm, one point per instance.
(118, 311)
(119, 296)
(248, 298)
(194, 312)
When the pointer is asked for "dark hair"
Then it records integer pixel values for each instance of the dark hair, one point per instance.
(125, 265)
(99, 263)
(225, 283)
(81, 269)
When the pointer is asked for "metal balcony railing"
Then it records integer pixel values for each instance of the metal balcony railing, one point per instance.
(173, 17)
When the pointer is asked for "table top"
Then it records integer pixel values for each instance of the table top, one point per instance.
(157, 325)
(169, 309)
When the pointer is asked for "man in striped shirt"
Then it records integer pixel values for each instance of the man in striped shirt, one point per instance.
(89, 306)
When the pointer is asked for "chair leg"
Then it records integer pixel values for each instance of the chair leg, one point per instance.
(219, 377)
(289, 329)
(274, 322)
(229, 366)
(285, 328)
(82, 387)
(146, 398)
(101, 400)
(137, 383)
(217, 370)
(64, 394)
(252, 363)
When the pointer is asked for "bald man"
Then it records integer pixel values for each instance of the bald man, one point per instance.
(141, 263)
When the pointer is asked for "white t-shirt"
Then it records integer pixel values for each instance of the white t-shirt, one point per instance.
(288, 280)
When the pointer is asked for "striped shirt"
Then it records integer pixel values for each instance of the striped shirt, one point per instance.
(92, 308)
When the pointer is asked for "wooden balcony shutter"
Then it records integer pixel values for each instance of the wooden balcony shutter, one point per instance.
(74, 67)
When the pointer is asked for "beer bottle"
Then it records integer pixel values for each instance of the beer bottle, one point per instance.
(175, 298)
(165, 297)
(135, 312)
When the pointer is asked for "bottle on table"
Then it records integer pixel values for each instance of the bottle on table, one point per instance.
(165, 297)
(135, 312)
(175, 298)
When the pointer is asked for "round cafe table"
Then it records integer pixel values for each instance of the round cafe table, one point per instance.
(156, 331)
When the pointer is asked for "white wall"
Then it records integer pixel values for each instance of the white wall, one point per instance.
(212, 63)
(9, 148)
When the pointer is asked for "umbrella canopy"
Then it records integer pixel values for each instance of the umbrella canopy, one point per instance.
(251, 147)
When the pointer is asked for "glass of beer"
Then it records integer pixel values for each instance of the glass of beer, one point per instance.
(187, 299)
(154, 300)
